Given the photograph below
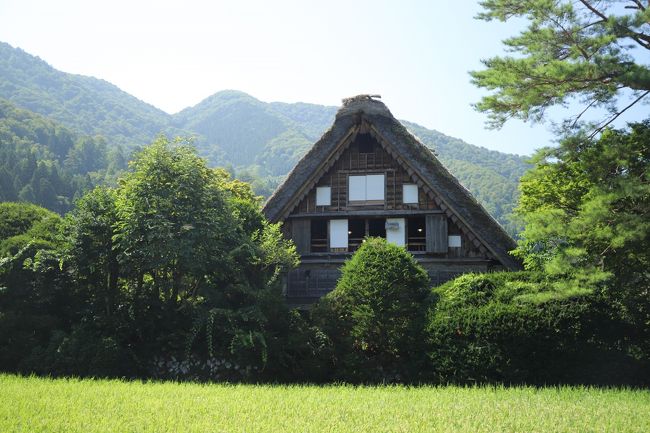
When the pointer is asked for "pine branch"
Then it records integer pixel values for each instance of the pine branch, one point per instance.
(600, 128)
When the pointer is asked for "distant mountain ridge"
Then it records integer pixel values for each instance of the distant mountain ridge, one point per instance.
(230, 128)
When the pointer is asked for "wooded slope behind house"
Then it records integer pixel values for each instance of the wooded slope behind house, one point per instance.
(45, 163)
(259, 141)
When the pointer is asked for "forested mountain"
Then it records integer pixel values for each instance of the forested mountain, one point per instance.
(235, 128)
(45, 163)
(85, 104)
(260, 142)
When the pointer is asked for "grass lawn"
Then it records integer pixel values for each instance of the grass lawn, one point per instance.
(72, 405)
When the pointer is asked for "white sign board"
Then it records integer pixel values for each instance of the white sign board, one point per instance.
(454, 241)
(396, 231)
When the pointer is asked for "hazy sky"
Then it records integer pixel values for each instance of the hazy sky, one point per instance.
(173, 54)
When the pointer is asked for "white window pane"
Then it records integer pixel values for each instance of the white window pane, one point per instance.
(396, 231)
(410, 193)
(323, 196)
(375, 187)
(338, 233)
(357, 188)
(454, 241)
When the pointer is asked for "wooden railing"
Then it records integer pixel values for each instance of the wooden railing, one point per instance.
(417, 243)
(319, 245)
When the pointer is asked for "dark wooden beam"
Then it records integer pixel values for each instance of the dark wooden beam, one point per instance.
(368, 212)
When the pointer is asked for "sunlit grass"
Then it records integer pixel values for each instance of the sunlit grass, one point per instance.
(72, 405)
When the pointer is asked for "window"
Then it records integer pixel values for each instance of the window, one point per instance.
(323, 196)
(357, 188)
(318, 236)
(410, 194)
(369, 188)
(416, 234)
(339, 234)
(377, 227)
(356, 233)
(454, 241)
(366, 143)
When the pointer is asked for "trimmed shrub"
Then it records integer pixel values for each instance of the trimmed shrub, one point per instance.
(375, 314)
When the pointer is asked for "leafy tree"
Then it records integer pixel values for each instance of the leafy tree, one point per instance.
(195, 255)
(23, 223)
(174, 224)
(34, 295)
(586, 207)
(570, 49)
(586, 203)
(91, 251)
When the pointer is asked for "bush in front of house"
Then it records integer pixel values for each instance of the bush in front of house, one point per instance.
(375, 315)
(523, 328)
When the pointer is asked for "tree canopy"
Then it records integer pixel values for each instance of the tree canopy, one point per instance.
(585, 204)
(571, 49)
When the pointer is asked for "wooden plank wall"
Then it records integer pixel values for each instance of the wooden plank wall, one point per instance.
(301, 234)
(352, 162)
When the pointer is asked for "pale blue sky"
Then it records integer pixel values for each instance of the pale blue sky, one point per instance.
(173, 54)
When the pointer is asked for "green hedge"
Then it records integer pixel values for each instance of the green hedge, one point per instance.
(519, 328)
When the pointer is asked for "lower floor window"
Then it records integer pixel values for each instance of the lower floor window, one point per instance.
(416, 234)
(319, 236)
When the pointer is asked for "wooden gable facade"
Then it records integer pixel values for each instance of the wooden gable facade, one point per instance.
(368, 176)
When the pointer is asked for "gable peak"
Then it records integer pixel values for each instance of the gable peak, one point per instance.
(367, 104)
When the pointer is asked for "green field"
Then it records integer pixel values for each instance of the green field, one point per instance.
(43, 405)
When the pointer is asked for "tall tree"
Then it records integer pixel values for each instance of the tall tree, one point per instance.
(174, 225)
(571, 49)
(586, 206)
(585, 203)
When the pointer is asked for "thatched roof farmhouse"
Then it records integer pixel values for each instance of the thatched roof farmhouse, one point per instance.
(369, 176)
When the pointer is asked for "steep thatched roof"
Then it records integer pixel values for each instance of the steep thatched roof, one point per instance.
(364, 112)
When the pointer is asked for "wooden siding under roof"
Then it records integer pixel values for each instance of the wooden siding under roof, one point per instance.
(352, 162)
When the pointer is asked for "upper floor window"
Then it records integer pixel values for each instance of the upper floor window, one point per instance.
(409, 194)
(323, 196)
(367, 189)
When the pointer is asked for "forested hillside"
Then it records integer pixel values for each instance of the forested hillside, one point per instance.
(85, 104)
(45, 163)
(259, 142)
